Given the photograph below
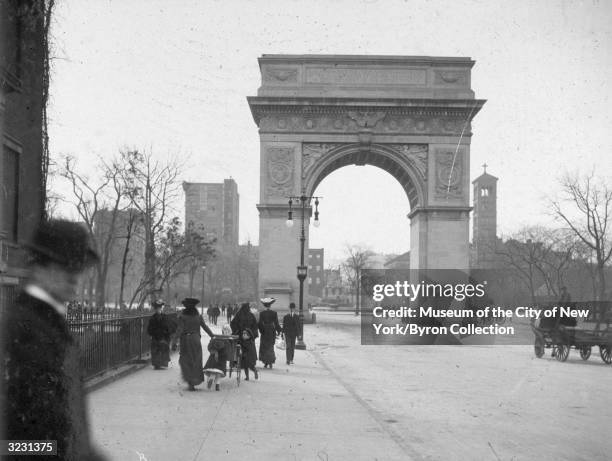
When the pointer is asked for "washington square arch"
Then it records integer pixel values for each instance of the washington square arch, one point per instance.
(408, 115)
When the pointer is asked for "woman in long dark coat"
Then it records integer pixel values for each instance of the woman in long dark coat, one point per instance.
(244, 319)
(190, 359)
(160, 329)
(268, 328)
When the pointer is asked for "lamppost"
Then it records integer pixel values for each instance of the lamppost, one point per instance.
(203, 280)
(302, 270)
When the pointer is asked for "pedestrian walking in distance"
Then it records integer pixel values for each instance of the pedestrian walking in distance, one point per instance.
(215, 313)
(268, 329)
(188, 332)
(160, 329)
(291, 329)
(43, 393)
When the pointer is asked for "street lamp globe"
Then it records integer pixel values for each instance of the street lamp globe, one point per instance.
(289, 223)
(316, 223)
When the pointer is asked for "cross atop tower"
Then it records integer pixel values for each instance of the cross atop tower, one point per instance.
(484, 165)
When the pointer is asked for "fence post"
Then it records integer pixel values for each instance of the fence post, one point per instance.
(140, 338)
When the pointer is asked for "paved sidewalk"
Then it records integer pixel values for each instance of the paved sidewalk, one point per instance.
(297, 412)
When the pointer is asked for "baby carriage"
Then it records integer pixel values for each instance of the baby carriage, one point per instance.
(225, 357)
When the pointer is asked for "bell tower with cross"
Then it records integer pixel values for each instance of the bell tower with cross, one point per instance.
(484, 222)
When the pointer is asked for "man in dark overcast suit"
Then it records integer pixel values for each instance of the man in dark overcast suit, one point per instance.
(291, 328)
(43, 392)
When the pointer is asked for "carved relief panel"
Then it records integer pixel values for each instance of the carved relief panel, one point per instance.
(449, 172)
(280, 171)
(312, 153)
(416, 154)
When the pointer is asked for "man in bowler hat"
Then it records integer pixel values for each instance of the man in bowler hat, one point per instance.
(44, 398)
(291, 328)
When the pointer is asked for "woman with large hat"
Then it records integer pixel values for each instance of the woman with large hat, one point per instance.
(190, 358)
(160, 329)
(268, 328)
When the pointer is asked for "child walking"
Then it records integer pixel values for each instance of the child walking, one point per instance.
(249, 353)
(216, 365)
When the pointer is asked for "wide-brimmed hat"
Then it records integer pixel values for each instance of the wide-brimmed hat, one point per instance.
(190, 302)
(66, 243)
(267, 301)
(158, 303)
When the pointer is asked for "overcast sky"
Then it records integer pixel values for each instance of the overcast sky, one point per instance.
(172, 77)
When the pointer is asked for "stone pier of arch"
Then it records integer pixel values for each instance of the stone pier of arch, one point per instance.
(410, 116)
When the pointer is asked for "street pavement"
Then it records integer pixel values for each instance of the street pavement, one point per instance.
(344, 401)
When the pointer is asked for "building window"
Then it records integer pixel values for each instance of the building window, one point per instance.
(318, 280)
(318, 256)
(310, 280)
(484, 192)
(10, 193)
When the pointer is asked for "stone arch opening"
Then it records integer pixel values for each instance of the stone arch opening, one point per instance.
(406, 163)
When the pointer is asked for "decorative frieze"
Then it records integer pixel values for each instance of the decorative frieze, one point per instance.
(280, 75)
(377, 122)
(366, 119)
(281, 165)
(450, 77)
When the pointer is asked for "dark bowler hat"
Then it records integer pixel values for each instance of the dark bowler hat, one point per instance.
(158, 303)
(190, 302)
(66, 243)
(291, 305)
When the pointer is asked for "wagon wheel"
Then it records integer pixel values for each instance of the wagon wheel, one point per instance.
(238, 364)
(585, 352)
(538, 348)
(562, 352)
(606, 353)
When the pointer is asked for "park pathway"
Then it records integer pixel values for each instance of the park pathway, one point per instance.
(297, 412)
(344, 401)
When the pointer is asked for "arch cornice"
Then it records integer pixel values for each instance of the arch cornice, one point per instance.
(347, 115)
(405, 162)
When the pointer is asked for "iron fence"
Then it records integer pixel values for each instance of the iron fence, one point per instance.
(8, 295)
(108, 340)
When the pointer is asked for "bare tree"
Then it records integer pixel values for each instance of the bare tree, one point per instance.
(586, 207)
(97, 202)
(199, 251)
(129, 226)
(539, 256)
(357, 259)
(152, 188)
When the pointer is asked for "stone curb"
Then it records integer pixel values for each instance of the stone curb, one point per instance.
(113, 375)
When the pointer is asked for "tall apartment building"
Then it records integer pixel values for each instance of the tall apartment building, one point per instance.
(214, 206)
(128, 243)
(316, 272)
